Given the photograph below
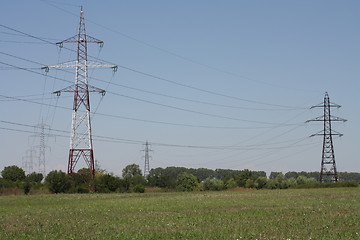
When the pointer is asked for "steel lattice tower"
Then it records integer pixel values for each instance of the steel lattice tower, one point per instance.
(42, 147)
(147, 159)
(328, 172)
(40, 133)
(28, 161)
(81, 146)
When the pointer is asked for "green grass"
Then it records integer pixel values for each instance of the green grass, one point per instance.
(264, 214)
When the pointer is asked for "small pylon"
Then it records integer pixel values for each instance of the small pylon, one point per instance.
(328, 172)
(147, 159)
(28, 161)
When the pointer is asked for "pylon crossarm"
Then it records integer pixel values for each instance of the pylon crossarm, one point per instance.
(75, 64)
(73, 89)
(321, 105)
(75, 39)
(318, 119)
(338, 119)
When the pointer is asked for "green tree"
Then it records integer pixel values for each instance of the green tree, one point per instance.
(213, 184)
(131, 170)
(230, 183)
(261, 182)
(26, 187)
(34, 177)
(290, 183)
(13, 173)
(186, 182)
(57, 181)
(250, 183)
(107, 183)
(243, 177)
(273, 175)
(272, 184)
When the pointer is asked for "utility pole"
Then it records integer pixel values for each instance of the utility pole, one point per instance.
(81, 146)
(147, 159)
(328, 172)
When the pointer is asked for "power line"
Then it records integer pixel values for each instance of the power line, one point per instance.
(149, 121)
(171, 53)
(158, 104)
(155, 93)
(161, 78)
(115, 139)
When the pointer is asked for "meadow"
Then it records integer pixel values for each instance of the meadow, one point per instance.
(249, 214)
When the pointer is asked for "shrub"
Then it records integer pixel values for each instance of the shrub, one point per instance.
(231, 183)
(139, 188)
(13, 173)
(250, 183)
(261, 182)
(26, 187)
(186, 182)
(213, 184)
(57, 181)
(107, 183)
(34, 177)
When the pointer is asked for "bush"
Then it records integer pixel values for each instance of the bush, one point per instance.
(34, 177)
(13, 173)
(139, 188)
(57, 181)
(272, 184)
(250, 183)
(107, 183)
(213, 184)
(186, 182)
(231, 183)
(26, 187)
(4, 183)
(261, 182)
(289, 183)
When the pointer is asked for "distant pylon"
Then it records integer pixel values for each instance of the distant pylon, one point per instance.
(42, 147)
(28, 161)
(147, 159)
(328, 172)
(81, 145)
(41, 134)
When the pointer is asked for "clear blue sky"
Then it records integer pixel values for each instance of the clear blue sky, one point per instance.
(233, 82)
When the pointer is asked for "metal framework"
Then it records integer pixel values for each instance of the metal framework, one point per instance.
(28, 161)
(328, 172)
(81, 146)
(40, 133)
(147, 159)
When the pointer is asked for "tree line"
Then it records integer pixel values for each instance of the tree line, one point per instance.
(167, 179)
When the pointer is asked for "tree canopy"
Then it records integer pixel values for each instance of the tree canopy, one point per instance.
(13, 173)
(57, 181)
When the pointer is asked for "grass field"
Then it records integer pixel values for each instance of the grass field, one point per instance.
(263, 214)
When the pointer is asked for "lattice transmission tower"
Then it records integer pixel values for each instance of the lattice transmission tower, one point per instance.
(28, 161)
(328, 172)
(42, 135)
(147, 159)
(81, 145)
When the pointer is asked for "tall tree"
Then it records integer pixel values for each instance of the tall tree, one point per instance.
(13, 173)
(57, 181)
(131, 170)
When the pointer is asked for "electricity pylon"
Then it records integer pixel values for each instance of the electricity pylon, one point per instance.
(40, 133)
(28, 161)
(147, 159)
(81, 146)
(328, 172)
